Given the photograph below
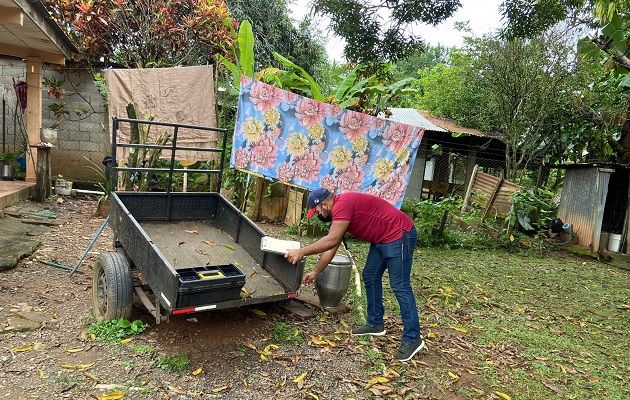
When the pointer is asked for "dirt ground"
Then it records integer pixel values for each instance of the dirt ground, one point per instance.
(46, 354)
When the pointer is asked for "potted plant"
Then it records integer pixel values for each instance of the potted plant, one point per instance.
(8, 165)
(105, 184)
(54, 87)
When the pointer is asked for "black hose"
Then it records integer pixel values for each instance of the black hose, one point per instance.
(554, 243)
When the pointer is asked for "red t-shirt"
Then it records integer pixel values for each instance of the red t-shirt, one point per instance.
(371, 218)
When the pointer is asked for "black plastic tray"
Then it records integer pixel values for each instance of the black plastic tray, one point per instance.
(200, 286)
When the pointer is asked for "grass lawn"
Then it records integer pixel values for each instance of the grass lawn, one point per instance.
(512, 325)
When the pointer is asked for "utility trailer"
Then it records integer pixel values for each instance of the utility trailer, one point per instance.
(183, 252)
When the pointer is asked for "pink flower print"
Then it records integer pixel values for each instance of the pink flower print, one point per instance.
(350, 179)
(284, 172)
(274, 133)
(309, 111)
(318, 147)
(398, 136)
(393, 188)
(263, 153)
(328, 182)
(290, 97)
(307, 167)
(378, 123)
(362, 160)
(334, 111)
(241, 158)
(371, 190)
(353, 124)
(265, 97)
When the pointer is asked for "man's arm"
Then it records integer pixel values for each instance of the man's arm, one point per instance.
(332, 240)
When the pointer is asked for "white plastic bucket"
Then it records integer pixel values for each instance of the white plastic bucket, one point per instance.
(614, 242)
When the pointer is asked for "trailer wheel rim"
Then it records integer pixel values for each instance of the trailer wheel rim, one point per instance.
(101, 290)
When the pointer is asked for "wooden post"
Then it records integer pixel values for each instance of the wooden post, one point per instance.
(43, 186)
(33, 113)
(471, 183)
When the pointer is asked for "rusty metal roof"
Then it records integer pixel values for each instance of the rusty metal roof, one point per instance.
(449, 125)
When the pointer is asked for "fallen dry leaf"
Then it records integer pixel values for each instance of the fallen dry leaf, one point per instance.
(221, 388)
(112, 396)
(301, 377)
(378, 379)
(503, 395)
(22, 349)
(176, 390)
(75, 350)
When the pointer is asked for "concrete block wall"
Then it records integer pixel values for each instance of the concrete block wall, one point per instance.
(11, 71)
(80, 137)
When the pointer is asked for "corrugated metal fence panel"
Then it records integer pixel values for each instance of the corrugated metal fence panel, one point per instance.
(503, 202)
(582, 203)
(484, 188)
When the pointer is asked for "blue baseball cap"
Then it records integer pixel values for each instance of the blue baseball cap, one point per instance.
(317, 196)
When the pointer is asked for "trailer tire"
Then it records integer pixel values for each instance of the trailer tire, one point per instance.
(112, 287)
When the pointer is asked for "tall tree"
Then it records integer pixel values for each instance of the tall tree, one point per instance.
(376, 32)
(516, 87)
(610, 22)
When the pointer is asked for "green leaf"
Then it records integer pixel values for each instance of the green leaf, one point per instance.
(345, 86)
(246, 49)
(315, 90)
(588, 49)
(615, 30)
(233, 68)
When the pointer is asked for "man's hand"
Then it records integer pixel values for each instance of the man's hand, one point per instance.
(294, 256)
(309, 278)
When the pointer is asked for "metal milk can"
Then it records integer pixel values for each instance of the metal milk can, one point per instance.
(332, 283)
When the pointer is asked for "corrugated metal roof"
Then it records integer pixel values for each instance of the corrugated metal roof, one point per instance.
(410, 116)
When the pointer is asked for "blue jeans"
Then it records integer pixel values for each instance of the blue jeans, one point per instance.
(396, 257)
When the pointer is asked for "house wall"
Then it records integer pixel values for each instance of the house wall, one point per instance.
(80, 137)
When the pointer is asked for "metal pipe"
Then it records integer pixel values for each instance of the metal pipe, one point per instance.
(89, 247)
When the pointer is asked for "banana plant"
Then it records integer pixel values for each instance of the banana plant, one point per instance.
(244, 57)
(351, 93)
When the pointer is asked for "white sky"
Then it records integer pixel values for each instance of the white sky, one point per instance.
(483, 17)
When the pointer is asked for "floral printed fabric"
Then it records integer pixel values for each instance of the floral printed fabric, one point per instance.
(311, 144)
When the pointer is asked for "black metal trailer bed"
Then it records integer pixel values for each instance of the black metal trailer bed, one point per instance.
(193, 251)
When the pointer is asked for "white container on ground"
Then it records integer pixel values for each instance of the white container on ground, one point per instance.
(614, 242)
